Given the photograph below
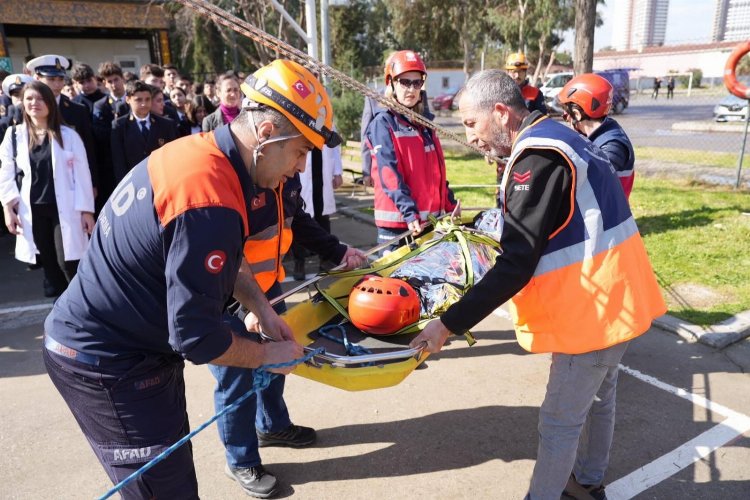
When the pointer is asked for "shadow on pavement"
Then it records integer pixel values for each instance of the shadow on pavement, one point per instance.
(443, 441)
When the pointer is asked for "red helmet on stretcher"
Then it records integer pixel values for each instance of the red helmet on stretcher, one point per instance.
(383, 306)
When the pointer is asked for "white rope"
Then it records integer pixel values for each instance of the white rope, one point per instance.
(245, 28)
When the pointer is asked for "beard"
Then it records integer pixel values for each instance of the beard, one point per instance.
(500, 143)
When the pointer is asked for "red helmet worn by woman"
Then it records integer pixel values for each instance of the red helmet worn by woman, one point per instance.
(402, 61)
(591, 92)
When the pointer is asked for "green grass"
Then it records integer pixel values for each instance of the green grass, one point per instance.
(689, 156)
(695, 235)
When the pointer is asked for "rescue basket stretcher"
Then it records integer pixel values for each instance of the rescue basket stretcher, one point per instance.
(353, 360)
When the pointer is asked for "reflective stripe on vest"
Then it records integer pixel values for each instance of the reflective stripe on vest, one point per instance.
(388, 216)
(264, 250)
(593, 286)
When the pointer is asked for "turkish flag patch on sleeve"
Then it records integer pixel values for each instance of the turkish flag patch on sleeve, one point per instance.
(258, 201)
(215, 261)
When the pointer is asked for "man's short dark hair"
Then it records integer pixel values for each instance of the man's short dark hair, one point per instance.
(108, 68)
(171, 66)
(82, 72)
(153, 70)
(129, 76)
(135, 86)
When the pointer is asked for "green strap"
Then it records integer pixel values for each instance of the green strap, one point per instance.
(450, 231)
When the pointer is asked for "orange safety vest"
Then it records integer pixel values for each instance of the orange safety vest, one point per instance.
(195, 174)
(593, 286)
(270, 236)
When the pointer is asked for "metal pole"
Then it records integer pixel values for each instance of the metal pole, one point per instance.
(742, 149)
(325, 39)
(312, 28)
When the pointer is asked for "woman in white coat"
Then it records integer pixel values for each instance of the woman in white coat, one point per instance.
(46, 190)
(323, 173)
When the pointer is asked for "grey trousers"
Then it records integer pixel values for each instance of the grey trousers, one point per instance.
(576, 421)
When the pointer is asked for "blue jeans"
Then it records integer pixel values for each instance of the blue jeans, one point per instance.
(266, 408)
(576, 421)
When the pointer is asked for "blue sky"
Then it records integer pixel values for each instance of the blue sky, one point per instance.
(687, 21)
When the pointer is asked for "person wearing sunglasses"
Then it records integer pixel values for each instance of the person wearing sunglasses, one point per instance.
(586, 101)
(408, 167)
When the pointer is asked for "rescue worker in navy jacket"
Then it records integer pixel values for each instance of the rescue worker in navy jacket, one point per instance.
(162, 263)
(50, 70)
(408, 166)
(139, 133)
(576, 273)
(587, 100)
(264, 419)
(517, 66)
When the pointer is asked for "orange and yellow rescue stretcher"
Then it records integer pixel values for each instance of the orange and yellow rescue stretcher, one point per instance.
(379, 361)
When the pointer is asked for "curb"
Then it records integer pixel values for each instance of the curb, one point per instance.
(717, 336)
(703, 126)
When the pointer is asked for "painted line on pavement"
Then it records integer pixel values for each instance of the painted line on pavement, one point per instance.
(33, 307)
(685, 455)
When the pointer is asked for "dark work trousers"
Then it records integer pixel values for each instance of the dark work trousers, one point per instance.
(129, 414)
(316, 164)
(48, 240)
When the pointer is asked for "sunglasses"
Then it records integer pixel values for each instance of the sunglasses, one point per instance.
(415, 84)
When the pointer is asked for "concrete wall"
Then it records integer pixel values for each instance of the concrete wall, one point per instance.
(439, 80)
(711, 62)
(91, 51)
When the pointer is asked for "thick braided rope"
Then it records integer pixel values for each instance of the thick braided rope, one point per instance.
(261, 380)
(243, 27)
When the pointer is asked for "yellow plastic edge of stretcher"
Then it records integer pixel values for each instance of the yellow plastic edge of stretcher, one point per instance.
(308, 316)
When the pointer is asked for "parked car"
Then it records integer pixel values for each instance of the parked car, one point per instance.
(619, 78)
(730, 108)
(444, 101)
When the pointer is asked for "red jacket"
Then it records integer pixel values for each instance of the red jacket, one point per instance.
(408, 170)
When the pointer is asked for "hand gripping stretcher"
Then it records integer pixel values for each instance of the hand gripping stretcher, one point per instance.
(444, 264)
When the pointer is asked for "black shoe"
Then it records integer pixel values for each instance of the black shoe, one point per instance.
(32, 267)
(299, 270)
(51, 291)
(254, 480)
(294, 436)
(574, 490)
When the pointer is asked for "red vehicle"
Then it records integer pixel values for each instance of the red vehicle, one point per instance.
(444, 101)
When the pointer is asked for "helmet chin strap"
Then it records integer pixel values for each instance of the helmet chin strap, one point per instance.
(257, 150)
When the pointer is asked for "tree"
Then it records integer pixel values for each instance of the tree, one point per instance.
(585, 21)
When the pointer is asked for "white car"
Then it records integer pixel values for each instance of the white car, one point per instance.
(731, 108)
(552, 86)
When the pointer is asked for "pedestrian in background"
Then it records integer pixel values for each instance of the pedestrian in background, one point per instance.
(670, 88)
(136, 135)
(88, 87)
(200, 108)
(586, 101)
(575, 270)
(322, 175)
(657, 86)
(228, 91)
(408, 167)
(46, 190)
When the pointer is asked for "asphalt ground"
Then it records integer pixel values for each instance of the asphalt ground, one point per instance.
(465, 427)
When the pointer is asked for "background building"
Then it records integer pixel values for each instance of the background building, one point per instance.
(129, 32)
(639, 24)
(732, 20)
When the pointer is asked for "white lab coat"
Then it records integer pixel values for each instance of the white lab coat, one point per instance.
(331, 166)
(73, 190)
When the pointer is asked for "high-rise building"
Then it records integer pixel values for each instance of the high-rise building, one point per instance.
(639, 24)
(731, 21)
